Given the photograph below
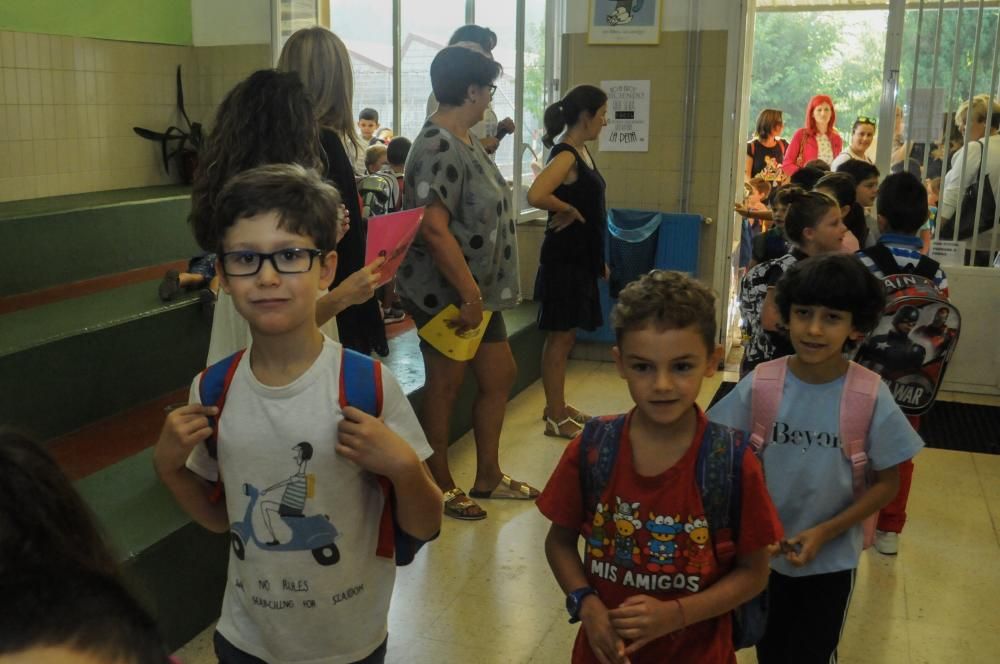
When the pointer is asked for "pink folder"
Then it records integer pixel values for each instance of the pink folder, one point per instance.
(390, 235)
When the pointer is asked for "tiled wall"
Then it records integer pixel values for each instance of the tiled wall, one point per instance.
(69, 105)
(652, 180)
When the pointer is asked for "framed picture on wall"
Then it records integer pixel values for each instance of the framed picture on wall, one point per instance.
(624, 22)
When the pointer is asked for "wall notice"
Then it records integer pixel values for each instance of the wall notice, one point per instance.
(628, 117)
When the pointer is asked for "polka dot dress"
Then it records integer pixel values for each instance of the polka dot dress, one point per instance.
(465, 180)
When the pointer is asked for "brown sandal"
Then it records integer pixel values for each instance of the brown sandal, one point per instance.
(459, 506)
(508, 489)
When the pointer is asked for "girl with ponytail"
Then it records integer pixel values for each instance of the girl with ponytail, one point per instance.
(572, 257)
(814, 226)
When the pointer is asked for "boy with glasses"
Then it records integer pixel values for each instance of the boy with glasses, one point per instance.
(275, 229)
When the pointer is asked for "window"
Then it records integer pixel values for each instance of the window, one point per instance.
(366, 28)
(424, 33)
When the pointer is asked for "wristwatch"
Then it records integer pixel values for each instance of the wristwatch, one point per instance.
(574, 601)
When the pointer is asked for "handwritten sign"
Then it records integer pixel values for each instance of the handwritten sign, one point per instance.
(947, 252)
(628, 117)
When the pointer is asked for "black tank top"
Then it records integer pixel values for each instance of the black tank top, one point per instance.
(579, 244)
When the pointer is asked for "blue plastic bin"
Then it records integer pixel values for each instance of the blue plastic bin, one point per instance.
(638, 241)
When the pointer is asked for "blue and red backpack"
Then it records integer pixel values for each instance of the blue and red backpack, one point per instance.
(360, 387)
(719, 474)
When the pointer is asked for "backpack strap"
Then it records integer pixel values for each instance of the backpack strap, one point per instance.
(857, 405)
(882, 256)
(361, 388)
(765, 398)
(213, 386)
(599, 443)
(719, 473)
(926, 267)
(360, 382)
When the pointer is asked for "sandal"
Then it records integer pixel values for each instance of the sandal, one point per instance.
(508, 489)
(577, 414)
(459, 506)
(568, 428)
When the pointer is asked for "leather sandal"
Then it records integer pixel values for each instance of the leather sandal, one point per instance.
(508, 489)
(459, 506)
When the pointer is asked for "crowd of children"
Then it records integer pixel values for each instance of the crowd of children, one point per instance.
(688, 519)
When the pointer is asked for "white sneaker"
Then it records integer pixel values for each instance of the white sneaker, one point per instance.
(886, 543)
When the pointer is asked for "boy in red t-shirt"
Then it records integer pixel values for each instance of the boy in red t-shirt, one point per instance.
(649, 588)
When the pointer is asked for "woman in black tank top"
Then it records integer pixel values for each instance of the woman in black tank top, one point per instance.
(572, 259)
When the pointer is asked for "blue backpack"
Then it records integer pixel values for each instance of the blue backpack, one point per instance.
(719, 474)
(360, 387)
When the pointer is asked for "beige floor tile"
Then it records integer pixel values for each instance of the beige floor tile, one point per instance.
(946, 473)
(943, 644)
(199, 650)
(495, 626)
(557, 644)
(422, 649)
(874, 640)
(879, 589)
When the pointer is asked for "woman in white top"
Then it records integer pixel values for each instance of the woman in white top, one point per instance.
(971, 121)
(862, 135)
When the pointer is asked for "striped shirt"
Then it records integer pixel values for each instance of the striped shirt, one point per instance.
(906, 250)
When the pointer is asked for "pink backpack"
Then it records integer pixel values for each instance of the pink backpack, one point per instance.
(857, 404)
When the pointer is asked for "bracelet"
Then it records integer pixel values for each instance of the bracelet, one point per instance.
(478, 300)
(680, 608)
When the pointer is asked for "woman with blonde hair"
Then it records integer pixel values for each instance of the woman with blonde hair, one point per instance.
(321, 60)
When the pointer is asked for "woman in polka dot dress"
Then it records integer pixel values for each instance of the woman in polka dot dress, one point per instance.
(572, 189)
(465, 255)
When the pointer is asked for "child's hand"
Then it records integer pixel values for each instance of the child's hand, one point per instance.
(642, 619)
(184, 428)
(607, 645)
(805, 546)
(368, 442)
(360, 286)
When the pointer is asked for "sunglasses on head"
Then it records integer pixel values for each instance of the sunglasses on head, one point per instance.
(864, 119)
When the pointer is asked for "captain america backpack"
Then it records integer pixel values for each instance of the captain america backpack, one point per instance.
(917, 334)
(361, 387)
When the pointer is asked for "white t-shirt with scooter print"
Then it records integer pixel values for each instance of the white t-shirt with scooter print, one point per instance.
(304, 583)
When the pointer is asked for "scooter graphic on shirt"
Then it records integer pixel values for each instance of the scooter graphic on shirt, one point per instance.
(313, 533)
(309, 533)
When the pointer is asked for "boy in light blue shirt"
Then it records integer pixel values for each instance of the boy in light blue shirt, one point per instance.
(827, 302)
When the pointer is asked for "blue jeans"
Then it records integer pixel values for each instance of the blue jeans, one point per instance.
(230, 654)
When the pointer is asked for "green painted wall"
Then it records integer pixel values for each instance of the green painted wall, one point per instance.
(156, 21)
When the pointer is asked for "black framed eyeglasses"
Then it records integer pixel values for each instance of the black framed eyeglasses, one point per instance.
(493, 91)
(864, 119)
(293, 260)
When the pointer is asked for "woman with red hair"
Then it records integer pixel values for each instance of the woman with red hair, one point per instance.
(817, 140)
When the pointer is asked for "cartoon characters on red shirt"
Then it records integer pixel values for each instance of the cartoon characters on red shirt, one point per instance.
(678, 555)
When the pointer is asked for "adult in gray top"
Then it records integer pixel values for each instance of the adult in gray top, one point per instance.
(488, 130)
(465, 255)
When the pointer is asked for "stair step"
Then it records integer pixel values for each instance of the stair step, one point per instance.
(67, 364)
(91, 235)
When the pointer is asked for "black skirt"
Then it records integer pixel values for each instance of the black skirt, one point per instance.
(568, 298)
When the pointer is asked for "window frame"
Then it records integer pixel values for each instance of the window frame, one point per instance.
(553, 16)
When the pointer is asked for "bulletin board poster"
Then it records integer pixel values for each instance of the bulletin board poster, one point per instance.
(628, 117)
(624, 22)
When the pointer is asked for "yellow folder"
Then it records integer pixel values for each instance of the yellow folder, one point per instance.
(442, 334)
